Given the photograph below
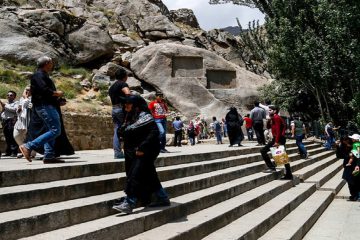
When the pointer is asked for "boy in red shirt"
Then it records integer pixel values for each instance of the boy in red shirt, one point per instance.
(159, 111)
(278, 128)
(249, 127)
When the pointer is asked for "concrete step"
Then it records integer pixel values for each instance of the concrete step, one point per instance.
(340, 221)
(200, 224)
(343, 193)
(336, 183)
(30, 195)
(295, 225)
(316, 155)
(314, 168)
(256, 223)
(326, 174)
(86, 209)
(37, 173)
(124, 226)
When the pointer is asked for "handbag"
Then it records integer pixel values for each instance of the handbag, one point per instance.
(279, 155)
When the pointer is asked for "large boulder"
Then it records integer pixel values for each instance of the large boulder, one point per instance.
(191, 78)
(27, 34)
(185, 16)
(91, 42)
(157, 27)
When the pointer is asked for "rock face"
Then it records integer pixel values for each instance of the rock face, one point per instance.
(185, 16)
(30, 33)
(198, 71)
(192, 78)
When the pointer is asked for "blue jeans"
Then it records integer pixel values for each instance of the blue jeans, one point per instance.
(301, 145)
(118, 119)
(49, 118)
(218, 137)
(161, 123)
(329, 142)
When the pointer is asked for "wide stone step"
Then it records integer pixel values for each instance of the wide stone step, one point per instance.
(316, 167)
(123, 226)
(37, 173)
(295, 225)
(86, 209)
(335, 184)
(30, 195)
(340, 221)
(323, 176)
(259, 221)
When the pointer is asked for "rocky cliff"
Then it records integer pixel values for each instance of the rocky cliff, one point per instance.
(198, 71)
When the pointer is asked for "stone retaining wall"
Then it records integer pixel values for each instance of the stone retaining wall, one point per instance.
(89, 132)
(85, 132)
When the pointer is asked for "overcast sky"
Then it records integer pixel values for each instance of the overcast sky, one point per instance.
(217, 16)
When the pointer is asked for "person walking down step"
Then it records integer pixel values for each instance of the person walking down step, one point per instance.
(191, 133)
(141, 148)
(278, 128)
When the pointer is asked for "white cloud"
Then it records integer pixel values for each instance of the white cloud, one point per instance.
(217, 16)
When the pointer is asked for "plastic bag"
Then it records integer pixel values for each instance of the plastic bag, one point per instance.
(279, 155)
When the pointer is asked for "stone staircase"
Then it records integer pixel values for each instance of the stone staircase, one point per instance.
(214, 195)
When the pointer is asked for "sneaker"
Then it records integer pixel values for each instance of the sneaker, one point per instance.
(353, 198)
(124, 207)
(13, 155)
(164, 151)
(287, 177)
(26, 152)
(119, 201)
(19, 155)
(160, 203)
(269, 170)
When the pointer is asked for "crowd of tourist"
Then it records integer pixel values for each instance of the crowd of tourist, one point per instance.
(34, 125)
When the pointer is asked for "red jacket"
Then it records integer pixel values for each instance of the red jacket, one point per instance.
(248, 122)
(158, 109)
(277, 127)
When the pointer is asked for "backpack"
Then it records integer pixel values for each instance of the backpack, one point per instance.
(217, 126)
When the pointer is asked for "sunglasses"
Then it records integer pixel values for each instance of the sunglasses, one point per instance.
(10, 95)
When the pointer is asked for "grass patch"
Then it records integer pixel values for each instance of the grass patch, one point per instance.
(70, 71)
(70, 87)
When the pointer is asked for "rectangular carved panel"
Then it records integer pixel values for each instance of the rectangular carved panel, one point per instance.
(187, 67)
(220, 79)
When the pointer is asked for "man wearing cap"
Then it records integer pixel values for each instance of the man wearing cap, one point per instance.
(159, 111)
(117, 92)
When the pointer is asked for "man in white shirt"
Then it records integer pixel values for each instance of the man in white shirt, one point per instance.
(8, 117)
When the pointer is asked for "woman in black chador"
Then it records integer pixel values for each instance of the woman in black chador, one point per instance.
(141, 147)
(234, 122)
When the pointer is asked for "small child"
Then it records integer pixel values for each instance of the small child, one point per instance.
(355, 152)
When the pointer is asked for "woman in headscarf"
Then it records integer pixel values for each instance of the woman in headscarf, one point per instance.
(234, 122)
(141, 148)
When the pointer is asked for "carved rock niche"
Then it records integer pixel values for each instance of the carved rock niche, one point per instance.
(187, 67)
(220, 79)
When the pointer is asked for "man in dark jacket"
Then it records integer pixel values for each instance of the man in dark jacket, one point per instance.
(45, 104)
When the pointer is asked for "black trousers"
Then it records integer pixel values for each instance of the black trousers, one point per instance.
(11, 145)
(264, 153)
(178, 138)
(259, 131)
